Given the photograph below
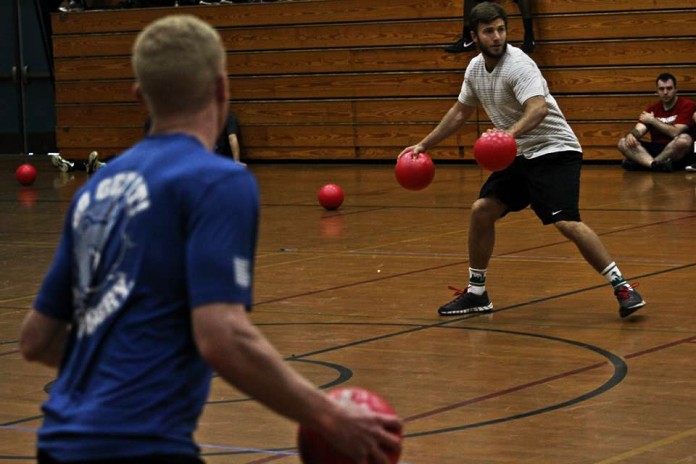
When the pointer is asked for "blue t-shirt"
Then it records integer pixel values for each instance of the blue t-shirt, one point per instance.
(165, 227)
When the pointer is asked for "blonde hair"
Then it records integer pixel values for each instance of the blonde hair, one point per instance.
(176, 61)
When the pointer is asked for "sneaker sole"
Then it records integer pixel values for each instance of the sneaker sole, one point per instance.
(625, 312)
(91, 166)
(59, 164)
(459, 312)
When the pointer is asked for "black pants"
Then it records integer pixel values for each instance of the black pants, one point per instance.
(45, 458)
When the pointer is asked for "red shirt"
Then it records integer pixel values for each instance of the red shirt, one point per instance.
(681, 113)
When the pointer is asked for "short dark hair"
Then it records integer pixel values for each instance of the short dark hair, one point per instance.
(485, 13)
(664, 77)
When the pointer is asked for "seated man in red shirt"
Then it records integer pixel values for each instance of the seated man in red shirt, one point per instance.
(668, 122)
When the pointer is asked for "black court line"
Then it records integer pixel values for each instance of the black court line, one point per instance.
(449, 321)
(620, 367)
(619, 373)
(606, 386)
(371, 208)
(620, 370)
(461, 262)
(344, 375)
(603, 388)
(21, 421)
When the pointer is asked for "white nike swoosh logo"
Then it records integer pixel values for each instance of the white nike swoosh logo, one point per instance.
(556, 212)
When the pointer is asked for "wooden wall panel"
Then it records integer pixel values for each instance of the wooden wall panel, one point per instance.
(612, 109)
(384, 60)
(332, 11)
(358, 79)
(400, 33)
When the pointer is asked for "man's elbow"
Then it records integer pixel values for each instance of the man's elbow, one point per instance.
(31, 348)
(42, 339)
(210, 352)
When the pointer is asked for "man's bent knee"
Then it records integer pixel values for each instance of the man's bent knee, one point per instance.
(489, 207)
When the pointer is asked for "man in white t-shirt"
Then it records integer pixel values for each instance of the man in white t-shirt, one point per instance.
(546, 172)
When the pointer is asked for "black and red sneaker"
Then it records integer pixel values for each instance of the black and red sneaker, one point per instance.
(630, 300)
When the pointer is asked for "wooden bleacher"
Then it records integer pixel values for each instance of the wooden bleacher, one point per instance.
(361, 79)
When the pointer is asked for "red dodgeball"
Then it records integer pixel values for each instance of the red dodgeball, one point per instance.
(495, 150)
(315, 450)
(330, 196)
(26, 174)
(414, 173)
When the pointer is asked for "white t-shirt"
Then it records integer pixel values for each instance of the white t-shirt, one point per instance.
(501, 93)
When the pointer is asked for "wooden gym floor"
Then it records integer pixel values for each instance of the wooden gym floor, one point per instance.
(350, 297)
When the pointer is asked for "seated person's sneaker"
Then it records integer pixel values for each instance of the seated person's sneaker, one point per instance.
(664, 165)
(93, 163)
(528, 46)
(629, 165)
(71, 5)
(461, 45)
(61, 163)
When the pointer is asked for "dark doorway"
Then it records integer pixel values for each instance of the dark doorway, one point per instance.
(27, 97)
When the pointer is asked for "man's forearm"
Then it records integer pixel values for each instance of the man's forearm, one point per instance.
(667, 129)
(42, 339)
(636, 133)
(451, 122)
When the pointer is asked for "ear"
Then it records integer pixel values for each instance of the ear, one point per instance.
(222, 91)
(137, 93)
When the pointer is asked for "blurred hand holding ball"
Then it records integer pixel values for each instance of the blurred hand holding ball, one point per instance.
(314, 449)
(330, 196)
(495, 150)
(414, 173)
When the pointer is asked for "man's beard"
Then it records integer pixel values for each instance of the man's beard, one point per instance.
(670, 102)
(487, 52)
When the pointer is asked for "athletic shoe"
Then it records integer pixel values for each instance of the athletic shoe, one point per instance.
(662, 166)
(461, 45)
(466, 303)
(528, 46)
(71, 5)
(630, 300)
(629, 165)
(93, 163)
(691, 168)
(61, 163)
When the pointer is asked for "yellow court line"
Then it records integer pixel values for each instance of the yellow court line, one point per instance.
(17, 298)
(649, 447)
(15, 244)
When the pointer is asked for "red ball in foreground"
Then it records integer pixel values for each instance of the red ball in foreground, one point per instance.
(330, 196)
(414, 173)
(26, 174)
(495, 150)
(315, 450)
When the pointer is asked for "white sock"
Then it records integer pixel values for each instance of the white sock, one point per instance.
(613, 274)
(477, 281)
